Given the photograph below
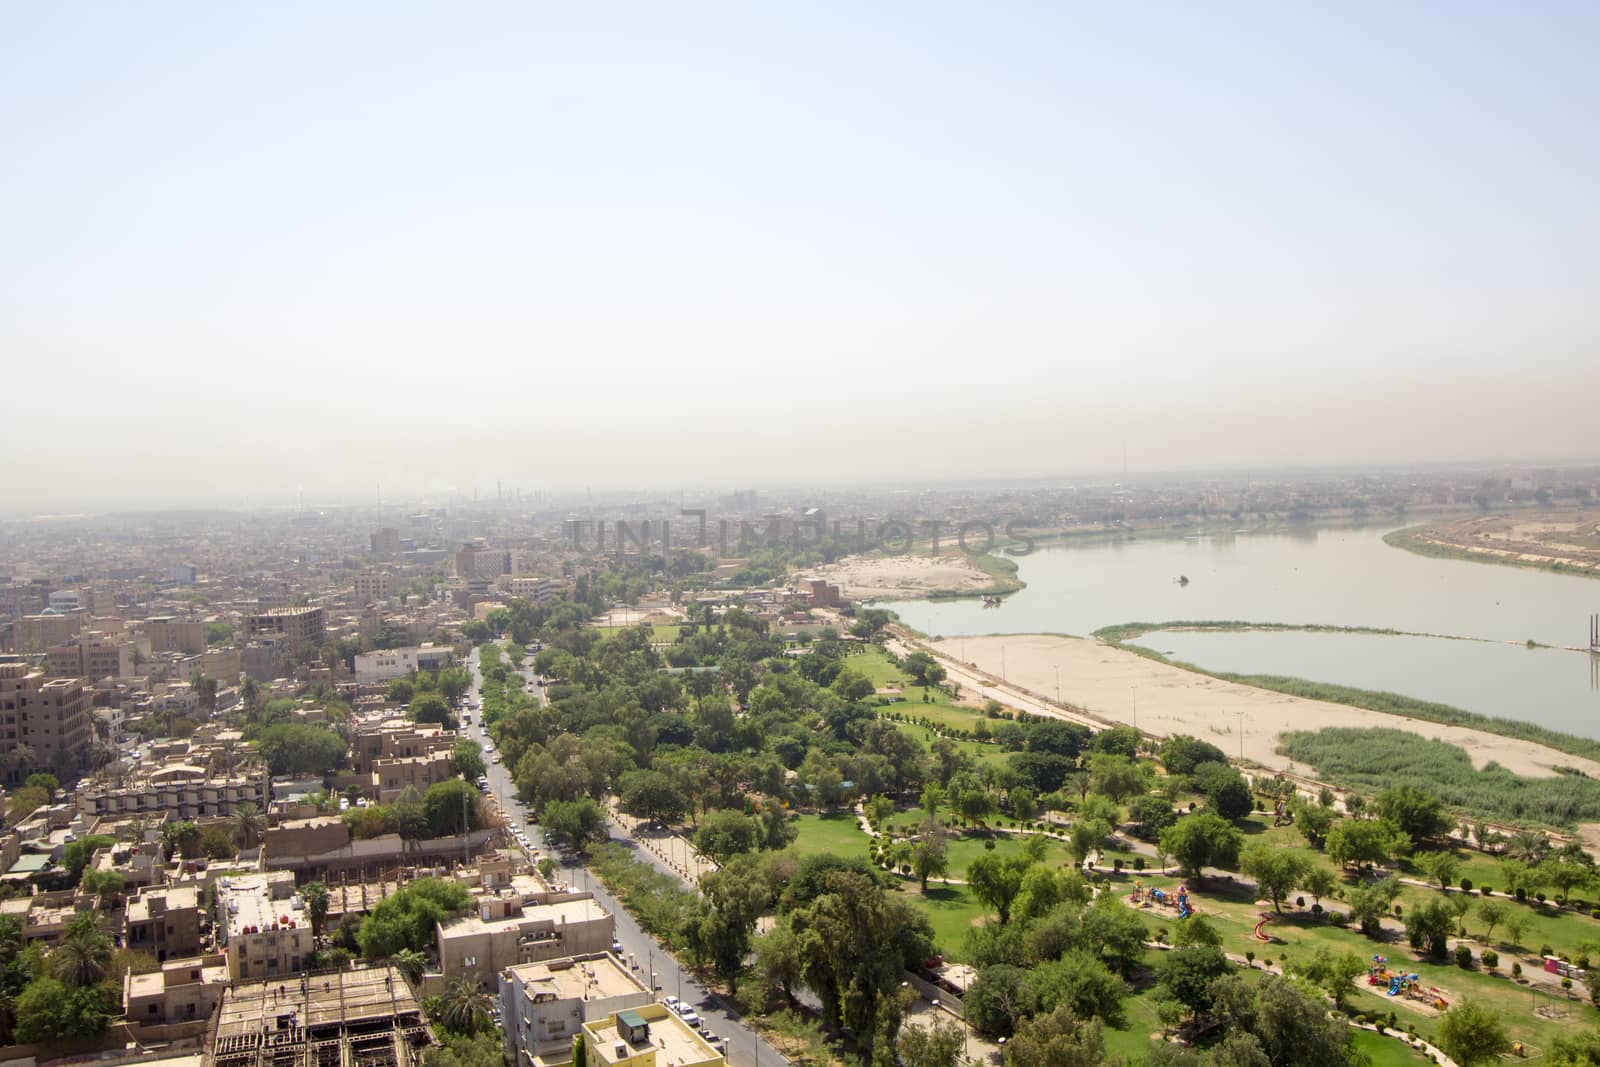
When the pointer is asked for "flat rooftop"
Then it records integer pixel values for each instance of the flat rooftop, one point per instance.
(674, 1044)
(322, 1000)
(570, 911)
(577, 978)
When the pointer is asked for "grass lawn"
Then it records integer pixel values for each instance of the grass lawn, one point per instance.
(950, 909)
(873, 663)
(835, 833)
(1386, 1051)
(978, 751)
(663, 632)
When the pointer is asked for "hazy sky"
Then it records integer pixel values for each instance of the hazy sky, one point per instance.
(246, 248)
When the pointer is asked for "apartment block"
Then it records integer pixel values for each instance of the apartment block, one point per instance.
(542, 1005)
(188, 791)
(392, 739)
(42, 717)
(186, 990)
(93, 657)
(298, 626)
(504, 934)
(35, 633)
(385, 542)
(164, 921)
(263, 925)
(168, 634)
(524, 587)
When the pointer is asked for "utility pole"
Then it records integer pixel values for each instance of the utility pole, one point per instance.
(1058, 683)
(1241, 736)
(1136, 707)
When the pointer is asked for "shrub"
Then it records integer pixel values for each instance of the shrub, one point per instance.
(1336, 918)
(1397, 910)
(1522, 895)
(1491, 958)
(1516, 969)
(1466, 885)
(1594, 913)
(1250, 957)
(1546, 950)
(1316, 909)
(1539, 896)
(1116, 865)
(1487, 891)
(1299, 902)
(1138, 865)
(1463, 957)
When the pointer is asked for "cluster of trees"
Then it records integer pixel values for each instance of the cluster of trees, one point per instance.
(446, 808)
(405, 921)
(69, 992)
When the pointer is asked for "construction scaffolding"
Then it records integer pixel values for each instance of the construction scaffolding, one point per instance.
(351, 1017)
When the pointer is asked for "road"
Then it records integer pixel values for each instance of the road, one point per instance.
(744, 1048)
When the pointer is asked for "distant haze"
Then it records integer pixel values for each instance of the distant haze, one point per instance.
(247, 250)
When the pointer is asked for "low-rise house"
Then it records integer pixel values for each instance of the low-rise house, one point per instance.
(650, 1036)
(504, 934)
(542, 1005)
(183, 990)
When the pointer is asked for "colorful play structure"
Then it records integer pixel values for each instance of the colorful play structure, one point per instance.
(1404, 985)
(1265, 918)
(1165, 899)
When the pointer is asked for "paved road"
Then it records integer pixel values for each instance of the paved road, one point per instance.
(744, 1048)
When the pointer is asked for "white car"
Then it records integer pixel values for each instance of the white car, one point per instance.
(671, 1002)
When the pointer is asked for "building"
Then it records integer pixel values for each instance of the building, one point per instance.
(398, 662)
(183, 573)
(391, 777)
(298, 626)
(392, 739)
(542, 1005)
(93, 656)
(65, 600)
(823, 594)
(183, 789)
(475, 561)
(385, 542)
(164, 921)
(43, 717)
(363, 1017)
(650, 1036)
(481, 946)
(35, 633)
(524, 587)
(186, 990)
(167, 634)
(373, 585)
(263, 925)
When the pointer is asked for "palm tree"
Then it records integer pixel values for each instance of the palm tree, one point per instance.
(1529, 846)
(464, 1008)
(84, 955)
(411, 963)
(315, 894)
(247, 825)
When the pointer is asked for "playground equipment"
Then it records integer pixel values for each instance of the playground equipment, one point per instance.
(1280, 813)
(1405, 985)
(1166, 899)
(1265, 919)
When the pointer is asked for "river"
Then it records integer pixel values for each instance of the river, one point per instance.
(1332, 577)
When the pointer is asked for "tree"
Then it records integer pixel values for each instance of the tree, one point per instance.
(1024, 803)
(1429, 926)
(939, 1045)
(467, 758)
(1370, 903)
(454, 683)
(1089, 836)
(651, 794)
(1564, 876)
(315, 895)
(1493, 913)
(574, 823)
(997, 880)
(1529, 846)
(401, 691)
(1471, 1034)
(463, 1007)
(852, 686)
(1181, 754)
(1334, 972)
(248, 824)
(1202, 840)
(1276, 870)
(301, 749)
(1418, 813)
(1117, 777)
(1312, 820)
(412, 964)
(923, 669)
(1186, 975)
(734, 898)
(1080, 981)
(451, 807)
(432, 708)
(929, 856)
(50, 1010)
(997, 1000)
(474, 1050)
(1440, 867)
(779, 962)
(407, 918)
(726, 833)
(84, 955)
(1365, 842)
(1150, 815)
(1058, 1039)
(1318, 881)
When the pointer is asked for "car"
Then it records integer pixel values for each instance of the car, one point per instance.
(671, 1002)
(616, 948)
(691, 1020)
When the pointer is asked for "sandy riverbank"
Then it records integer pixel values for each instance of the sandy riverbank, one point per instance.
(904, 577)
(1108, 681)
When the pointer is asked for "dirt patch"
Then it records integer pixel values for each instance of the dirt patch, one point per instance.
(904, 577)
(1569, 538)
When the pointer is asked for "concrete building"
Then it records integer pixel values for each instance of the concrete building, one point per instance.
(650, 1036)
(524, 587)
(185, 990)
(373, 585)
(398, 662)
(35, 633)
(476, 561)
(164, 921)
(365, 1017)
(43, 717)
(298, 626)
(263, 925)
(542, 1005)
(92, 657)
(185, 790)
(167, 634)
(391, 777)
(385, 542)
(504, 934)
(391, 739)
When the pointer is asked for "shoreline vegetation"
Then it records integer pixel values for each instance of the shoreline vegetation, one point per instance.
(999, 568)
(1351, 696)
(1414, 539)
